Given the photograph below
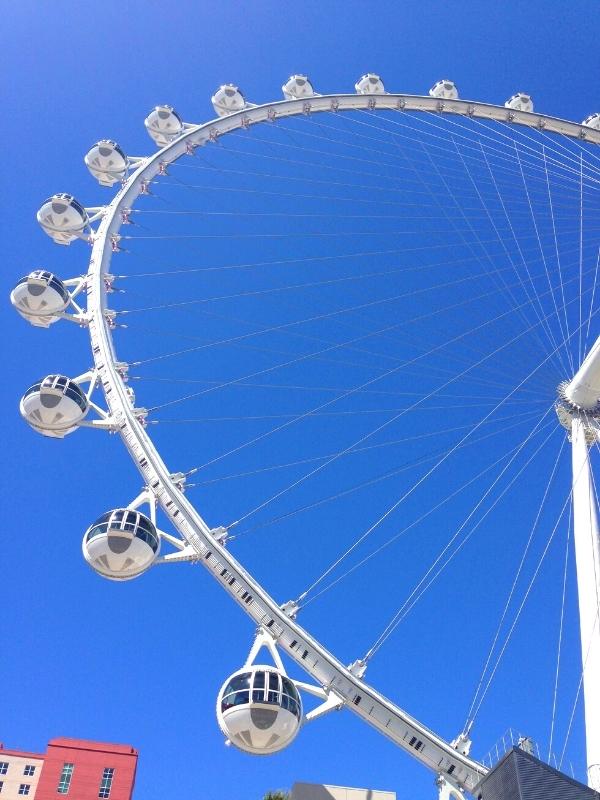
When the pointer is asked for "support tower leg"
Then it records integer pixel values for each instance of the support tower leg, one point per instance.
(447, 789)
(587, 556)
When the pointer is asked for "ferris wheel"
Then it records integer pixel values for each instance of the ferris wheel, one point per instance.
(455, 266)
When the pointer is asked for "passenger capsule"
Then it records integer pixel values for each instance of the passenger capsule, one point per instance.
(259, 710)
(227, 100)
(297, 87)
(164, 125)
(444, 90)
(107, 162)
(519, 102)
(593, 121)
(54, 406)
(369, 84)
(63, 218)
(40, 297)
(121, 544)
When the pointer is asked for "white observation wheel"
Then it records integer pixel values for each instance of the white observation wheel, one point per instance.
(207, 545)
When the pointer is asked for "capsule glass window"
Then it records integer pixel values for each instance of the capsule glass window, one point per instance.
(289, 688)
(238, 682)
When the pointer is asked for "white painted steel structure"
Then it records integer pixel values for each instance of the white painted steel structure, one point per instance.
(454, 768)
(587, 554)
(584, 390)
(581, 403)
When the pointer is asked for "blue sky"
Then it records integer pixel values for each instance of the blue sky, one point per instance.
(142, 662)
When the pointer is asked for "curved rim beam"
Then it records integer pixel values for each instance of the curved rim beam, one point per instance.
(395, 102)
(428, 748)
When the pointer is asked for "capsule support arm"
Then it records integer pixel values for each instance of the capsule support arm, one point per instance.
(183, 551)
(264, 639)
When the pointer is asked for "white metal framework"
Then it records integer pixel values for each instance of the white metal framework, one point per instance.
(450, 762)
(582, 408)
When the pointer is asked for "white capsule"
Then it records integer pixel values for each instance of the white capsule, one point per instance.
(444, 90)
(369, 84)
(40, 298)
(227, 100)
(107, 162)
(520, 102)
(297, 87)
(54, 406)
(121, 544)
(593, 121)
(63, 218)
(164, 125)
(259, 710)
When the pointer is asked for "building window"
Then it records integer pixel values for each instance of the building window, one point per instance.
(65, 778)
(1, 786)
(29, 770)
(106, 782)
(24, 788)
(3, 767)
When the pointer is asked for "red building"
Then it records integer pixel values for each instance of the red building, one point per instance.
(83, 769)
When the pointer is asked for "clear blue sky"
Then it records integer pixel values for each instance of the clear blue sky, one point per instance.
(141, 663)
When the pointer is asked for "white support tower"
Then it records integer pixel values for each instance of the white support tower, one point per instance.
(580, 412)
(587, 556)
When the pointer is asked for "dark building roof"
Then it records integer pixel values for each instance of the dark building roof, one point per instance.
(521, 776)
